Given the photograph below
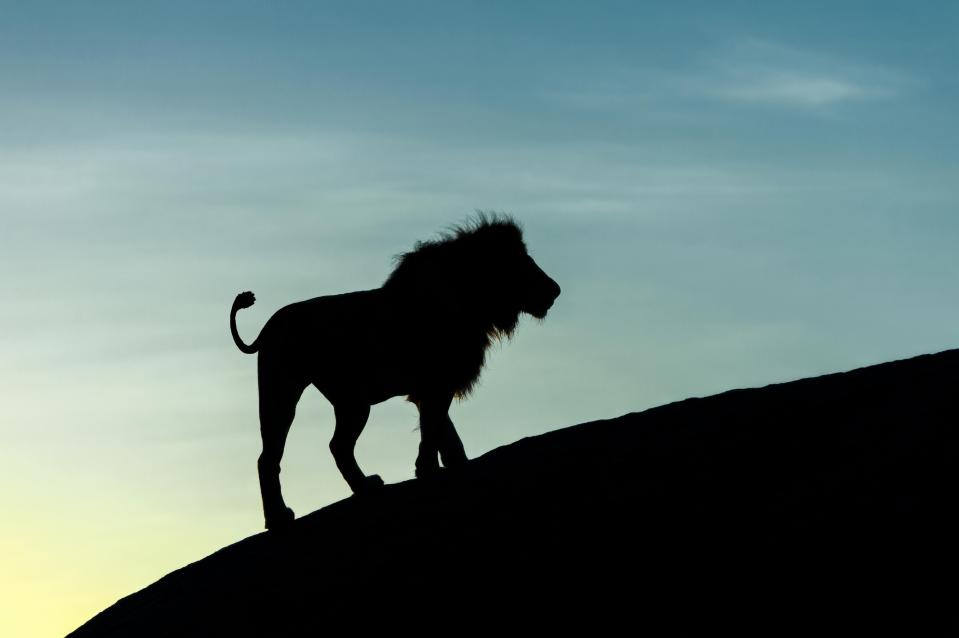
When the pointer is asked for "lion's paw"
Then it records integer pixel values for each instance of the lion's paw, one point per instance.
(280, 520)
(369, 484)
(428, 471)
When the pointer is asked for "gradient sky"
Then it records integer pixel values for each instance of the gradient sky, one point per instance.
(730, 194)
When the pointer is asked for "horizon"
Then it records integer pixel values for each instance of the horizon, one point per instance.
(729, 197)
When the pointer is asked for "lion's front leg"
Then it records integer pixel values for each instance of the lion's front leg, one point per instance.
(439, 439)
(427, 460)
(452, 452)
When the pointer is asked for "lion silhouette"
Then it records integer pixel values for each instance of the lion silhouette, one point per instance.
(423, 334)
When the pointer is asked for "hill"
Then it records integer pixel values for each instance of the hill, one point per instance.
(822, 504)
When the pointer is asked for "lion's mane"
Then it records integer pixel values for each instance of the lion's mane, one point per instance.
(463, 293)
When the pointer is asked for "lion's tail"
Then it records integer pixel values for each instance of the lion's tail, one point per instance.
(243, 300)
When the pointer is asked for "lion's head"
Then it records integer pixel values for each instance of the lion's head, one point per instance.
(479, 271)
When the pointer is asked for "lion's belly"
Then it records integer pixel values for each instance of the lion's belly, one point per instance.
(351, 381)
(365, 366)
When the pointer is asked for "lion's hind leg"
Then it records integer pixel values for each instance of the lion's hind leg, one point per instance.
(350, 420)
(278, 399)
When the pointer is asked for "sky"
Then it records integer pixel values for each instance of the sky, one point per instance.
(730, 195)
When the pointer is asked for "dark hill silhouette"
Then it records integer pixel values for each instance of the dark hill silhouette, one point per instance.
(824, 504)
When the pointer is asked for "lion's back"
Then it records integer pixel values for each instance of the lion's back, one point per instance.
(323, 321)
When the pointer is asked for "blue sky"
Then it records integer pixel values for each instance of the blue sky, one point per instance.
(730, 194)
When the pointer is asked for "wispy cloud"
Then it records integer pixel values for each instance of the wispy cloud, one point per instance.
(796, 89)
(745, 72)
(763, 72)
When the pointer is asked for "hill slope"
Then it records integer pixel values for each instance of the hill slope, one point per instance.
(825, 502)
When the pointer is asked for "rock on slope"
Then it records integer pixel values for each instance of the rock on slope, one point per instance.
(821, 504)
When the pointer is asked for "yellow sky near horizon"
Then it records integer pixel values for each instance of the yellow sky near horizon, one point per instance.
(65, 562)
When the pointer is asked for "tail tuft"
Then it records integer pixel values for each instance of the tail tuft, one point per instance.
(244, 300)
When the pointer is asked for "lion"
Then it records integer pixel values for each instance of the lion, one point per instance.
(423, 334)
